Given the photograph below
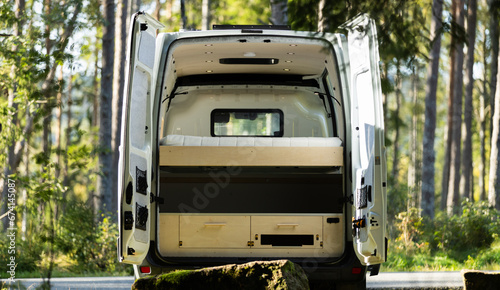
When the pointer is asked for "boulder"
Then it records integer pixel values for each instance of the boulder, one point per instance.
(478, 280)
(279, 274)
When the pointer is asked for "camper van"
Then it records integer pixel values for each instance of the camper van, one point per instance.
(247, 143)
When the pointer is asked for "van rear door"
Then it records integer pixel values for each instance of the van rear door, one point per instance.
(135, 164)
(367, 139)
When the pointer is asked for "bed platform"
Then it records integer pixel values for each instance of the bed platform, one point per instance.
(181, 150)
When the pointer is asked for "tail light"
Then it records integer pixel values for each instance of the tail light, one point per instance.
(145, 270)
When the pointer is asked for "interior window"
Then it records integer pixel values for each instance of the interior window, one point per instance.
(247, 122)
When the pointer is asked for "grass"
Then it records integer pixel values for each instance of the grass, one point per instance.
(63, 273)
(63, 269)
(407, 259)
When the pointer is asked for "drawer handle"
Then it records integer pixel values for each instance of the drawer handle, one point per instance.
(287, 225)
(215, 224)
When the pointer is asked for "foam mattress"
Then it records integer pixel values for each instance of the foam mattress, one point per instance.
(183, 140)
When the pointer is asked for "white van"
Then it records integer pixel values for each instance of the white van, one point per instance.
(252, 143)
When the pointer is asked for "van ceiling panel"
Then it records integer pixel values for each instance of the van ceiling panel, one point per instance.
(297, 56)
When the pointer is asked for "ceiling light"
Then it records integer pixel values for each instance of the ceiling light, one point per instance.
(249, 54)
(290, 53)
(293, 45)
(286, 69)
(288, 61)
(208, 52)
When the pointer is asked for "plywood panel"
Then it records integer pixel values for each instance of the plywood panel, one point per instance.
(250, 156)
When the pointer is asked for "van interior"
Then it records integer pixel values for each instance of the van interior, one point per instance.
(251, 149)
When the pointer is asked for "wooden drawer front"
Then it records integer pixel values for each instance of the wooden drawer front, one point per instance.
(301, 231)
(214, 231)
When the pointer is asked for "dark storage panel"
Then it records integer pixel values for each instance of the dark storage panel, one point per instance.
(213, 192)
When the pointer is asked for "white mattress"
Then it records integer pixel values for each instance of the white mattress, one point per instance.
(182, 140)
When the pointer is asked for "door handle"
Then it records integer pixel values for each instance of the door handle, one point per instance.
(287, 225)
(215, 224)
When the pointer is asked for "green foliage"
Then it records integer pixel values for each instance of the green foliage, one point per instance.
(397, 196)
(476, 228)
(399, 23)
(91, 245)
(27, 254)
(222, 12)
(487, 258)
(469, 240)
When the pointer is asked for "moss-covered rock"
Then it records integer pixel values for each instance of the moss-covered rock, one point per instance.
(477, 280)
(280, 274)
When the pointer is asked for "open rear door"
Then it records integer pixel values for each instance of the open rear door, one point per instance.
(368, 149)
(135, 164)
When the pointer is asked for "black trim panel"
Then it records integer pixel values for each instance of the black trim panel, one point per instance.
(245, 79)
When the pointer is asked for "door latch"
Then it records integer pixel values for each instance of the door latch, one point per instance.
(359, 223)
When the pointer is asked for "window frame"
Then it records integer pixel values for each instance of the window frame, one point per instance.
(249, 110)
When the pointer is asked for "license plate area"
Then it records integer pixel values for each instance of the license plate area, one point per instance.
(287, 240)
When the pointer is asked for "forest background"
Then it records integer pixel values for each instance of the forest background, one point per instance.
(61, 83)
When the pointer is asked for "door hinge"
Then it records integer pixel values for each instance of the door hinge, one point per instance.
(154, 198)
(348, 199)
(251, 243)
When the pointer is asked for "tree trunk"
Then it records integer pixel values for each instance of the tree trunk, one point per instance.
(494, 7)
(135, 6)
(465, 188)
(47, 111)
(445, 182)
(168, 9)
(118, 88)
(414, 166)
(58, 123)
(429, 155)
(156, 13)
(95, 82)
(395, 156)
(322, 21)
(205, 15)
(494, 182)
(279, 12)
(482, 127)
(183, 14)
(68, 133)
(102, 201)
(26, 158)
(456, 126)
